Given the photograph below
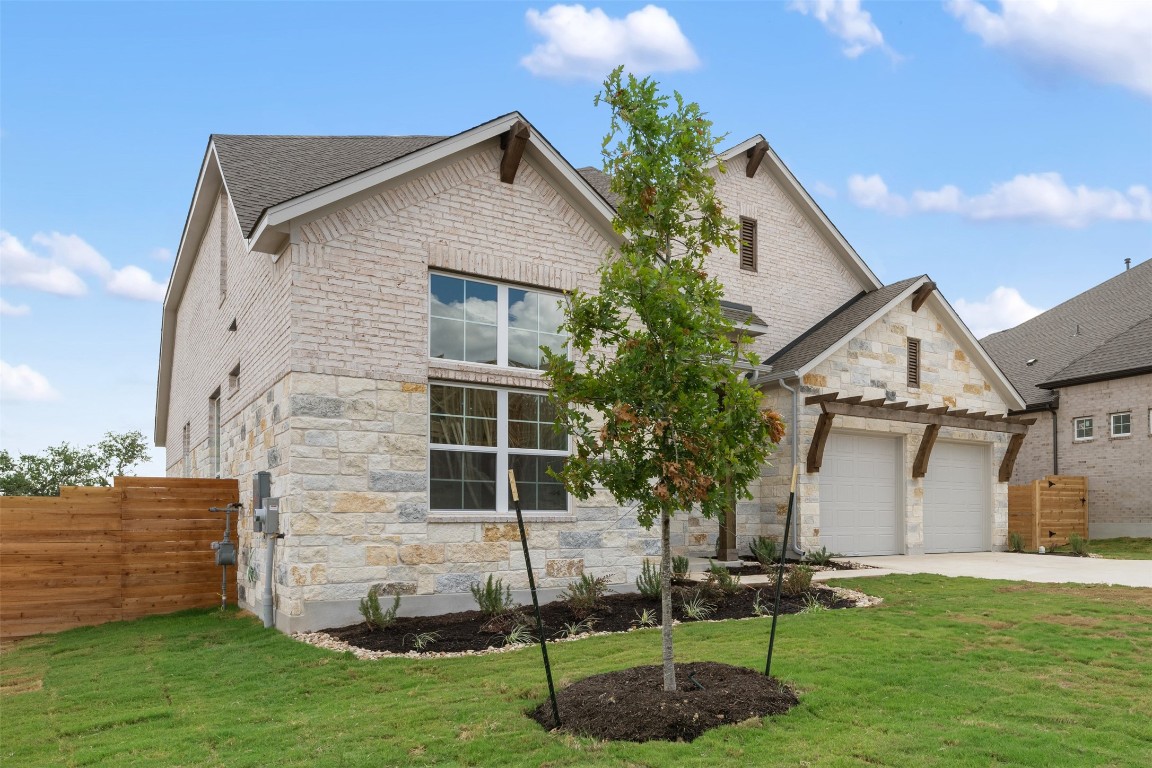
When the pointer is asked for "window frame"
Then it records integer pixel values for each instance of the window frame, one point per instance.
(215, 434)
(502, 326)
(1112, 417)
(502, 450)
(1091, 431)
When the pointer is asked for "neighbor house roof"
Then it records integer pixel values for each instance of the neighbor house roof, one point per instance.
(1128, 353)
(1071, 331)
(601, 182)
(261, 171)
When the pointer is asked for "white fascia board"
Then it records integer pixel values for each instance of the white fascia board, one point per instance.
(208, 184)
(976, 351)
(808, 206)
(279, 217)
(860, 327)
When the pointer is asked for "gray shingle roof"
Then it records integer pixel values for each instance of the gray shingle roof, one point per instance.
(739, 314)
(1071, 331)
(261, 171)
(601, 182)
(832, 329)
(1126, 354)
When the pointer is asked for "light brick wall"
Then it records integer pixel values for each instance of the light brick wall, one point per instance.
(874, 365)
(1035, 458)
(1119, 469)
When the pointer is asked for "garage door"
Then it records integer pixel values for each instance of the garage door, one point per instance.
(956, 498)
(858, 498)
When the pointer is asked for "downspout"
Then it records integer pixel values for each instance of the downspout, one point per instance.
(795, 543)
(1055, 439)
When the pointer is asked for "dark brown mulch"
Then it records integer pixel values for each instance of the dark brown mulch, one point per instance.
(631, 704)
(753, 568)
(470, 631)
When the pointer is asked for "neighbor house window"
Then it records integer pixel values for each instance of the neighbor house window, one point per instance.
(214, 432)
(1121, 424)
(234, 380)
(481, 322)
(913, 363)
(477, 434)
(748, 244)
(1083, 428)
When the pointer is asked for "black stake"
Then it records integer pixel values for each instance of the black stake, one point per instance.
(535, 599)
(780, 571)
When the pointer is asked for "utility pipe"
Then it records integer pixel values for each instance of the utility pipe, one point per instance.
(269, 552)
(795, 543)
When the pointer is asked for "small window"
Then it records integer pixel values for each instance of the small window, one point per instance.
(234, 380)
(1121, 424)
(214, 429)
(748, 244)
(913, 363)
(232, 326)
(1083, 428)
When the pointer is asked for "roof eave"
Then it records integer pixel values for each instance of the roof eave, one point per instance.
(1094, 377)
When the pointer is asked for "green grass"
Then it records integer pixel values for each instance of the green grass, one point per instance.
(1125, 548)
(947, 672)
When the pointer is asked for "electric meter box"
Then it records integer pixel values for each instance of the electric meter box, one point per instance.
(267, 520)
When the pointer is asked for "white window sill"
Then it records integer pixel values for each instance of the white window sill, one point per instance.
(497, 517)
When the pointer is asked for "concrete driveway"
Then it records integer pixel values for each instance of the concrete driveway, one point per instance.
(1011, 566)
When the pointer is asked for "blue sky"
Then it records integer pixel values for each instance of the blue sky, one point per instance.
(1005, 149)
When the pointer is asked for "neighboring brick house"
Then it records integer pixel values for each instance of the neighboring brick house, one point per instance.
(1085, 370)
(360, 316)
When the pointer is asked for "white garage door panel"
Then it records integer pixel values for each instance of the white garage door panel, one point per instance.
(858, 499)
(956, 499)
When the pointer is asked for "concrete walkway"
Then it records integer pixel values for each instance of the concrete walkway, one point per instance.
(1007, 565)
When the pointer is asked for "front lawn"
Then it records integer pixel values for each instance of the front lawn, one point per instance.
(1124, 548)
(946, 672)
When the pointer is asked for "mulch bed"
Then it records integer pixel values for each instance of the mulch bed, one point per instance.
(471, 631)
(631, 704)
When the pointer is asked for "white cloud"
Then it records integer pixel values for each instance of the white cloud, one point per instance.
(1003, 308)
(588, 44)
(19, 382)
(19, 266)
(161, 254)
(1110, 42)
(13, 310)
(848, 21)
(824, 190)
(872, 192)
(1041, 197)
(68, 255)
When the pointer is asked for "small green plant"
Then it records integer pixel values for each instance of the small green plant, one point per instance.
(680, 567)
(759, 607)
(812, 604)
(574, 628)
(697, 607)
(370, 609)
(764, 549)
(1015, 542)
(719, 577)
(1078, 544)
(421, 640)
(585, 595)
(519, 634)
(797, 581)
(493, 598)
(645, 618)
(648, 582)
(821, 557)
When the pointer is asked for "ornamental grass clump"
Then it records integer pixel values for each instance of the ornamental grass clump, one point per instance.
(585, 595)
(1078, 544)
(720, 578)
(797, 581)
(1015, 542)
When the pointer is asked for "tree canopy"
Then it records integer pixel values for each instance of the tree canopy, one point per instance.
(43, 474)
(660, 411)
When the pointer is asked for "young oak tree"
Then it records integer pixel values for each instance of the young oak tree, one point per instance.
(659, 415)
(42, 474)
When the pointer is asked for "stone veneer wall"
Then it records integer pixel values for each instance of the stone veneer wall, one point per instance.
(874, 365)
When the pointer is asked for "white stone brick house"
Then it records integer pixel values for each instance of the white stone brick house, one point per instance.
(360, 316)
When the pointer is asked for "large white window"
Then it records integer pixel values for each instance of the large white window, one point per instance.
(477, 434)
(482, 322)
(1121, 424)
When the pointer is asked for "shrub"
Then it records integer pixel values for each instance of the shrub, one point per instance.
(493, 598)
(1078, 544)
(797, 581)
(584, 595)
(719, 577)
(1015, 542)
(648, 582)
(679, 567)
(764, 549)
(370, 609)
(821, 556)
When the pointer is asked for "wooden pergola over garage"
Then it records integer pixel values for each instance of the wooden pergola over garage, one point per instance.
(832, 405)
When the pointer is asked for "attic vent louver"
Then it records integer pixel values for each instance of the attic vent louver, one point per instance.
(748, 244)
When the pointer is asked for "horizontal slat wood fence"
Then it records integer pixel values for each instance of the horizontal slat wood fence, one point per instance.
(1046, 512)
(93, 555)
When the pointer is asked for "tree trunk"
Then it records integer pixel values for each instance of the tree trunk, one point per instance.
(666, 599)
